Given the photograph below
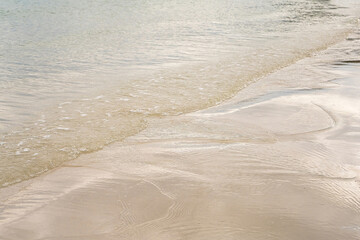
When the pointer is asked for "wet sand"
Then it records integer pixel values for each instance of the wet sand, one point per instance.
(278, 161)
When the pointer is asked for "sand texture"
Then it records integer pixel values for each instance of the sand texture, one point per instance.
(280, 161)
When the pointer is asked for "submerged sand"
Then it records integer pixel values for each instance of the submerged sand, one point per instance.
(278, 161)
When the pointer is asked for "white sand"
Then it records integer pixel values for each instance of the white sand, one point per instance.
(278, 161)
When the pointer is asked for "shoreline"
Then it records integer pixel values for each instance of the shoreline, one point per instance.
(57, 134)
(279, 160)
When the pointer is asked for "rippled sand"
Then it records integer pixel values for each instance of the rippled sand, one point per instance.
(279, 161)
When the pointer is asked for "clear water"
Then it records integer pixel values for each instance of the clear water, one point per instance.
(77, 75)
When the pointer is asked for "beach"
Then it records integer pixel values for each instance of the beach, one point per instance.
(78, 76)
(279, 160)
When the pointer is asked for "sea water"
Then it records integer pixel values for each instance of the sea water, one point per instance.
(78, 75)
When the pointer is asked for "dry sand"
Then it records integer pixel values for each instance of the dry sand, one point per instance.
(279, 161)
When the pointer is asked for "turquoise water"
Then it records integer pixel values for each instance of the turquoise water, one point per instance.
(77, 75)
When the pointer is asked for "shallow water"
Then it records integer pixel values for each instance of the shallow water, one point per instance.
(279, 161)
(76, 76)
